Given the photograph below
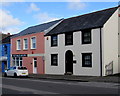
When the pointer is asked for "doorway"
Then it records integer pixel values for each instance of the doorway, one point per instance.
(69, 62)
(34, 65)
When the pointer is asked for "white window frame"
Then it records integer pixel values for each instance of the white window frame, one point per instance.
(32, 42)
(24, 44)
(17, 44)
(14, 60)
(18, 60)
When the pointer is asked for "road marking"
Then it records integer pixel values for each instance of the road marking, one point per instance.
(26, 90)
(90, 84)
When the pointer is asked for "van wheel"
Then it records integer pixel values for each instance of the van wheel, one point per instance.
(15, 75)
(5, 74)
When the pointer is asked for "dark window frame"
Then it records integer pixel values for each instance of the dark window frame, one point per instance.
(52, 64)
(83, 38)
(83, 59)
(66, 39)
(52, 40)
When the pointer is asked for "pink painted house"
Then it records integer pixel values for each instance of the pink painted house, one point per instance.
(28, 47)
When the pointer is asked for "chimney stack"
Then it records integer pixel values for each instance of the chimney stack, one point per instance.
(8, 33)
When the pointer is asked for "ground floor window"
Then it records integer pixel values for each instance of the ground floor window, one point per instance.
(17, 61)
(13, 61)
(86, 59)
(54, 59)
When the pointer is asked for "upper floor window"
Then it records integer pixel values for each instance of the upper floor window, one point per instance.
(86, 36)
(86, 59)
(33, 43)
(69, 39)
(54, 40)
(18, 44)
(25, 44)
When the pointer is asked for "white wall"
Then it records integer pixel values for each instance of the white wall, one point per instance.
(110, 42)
(77, 48)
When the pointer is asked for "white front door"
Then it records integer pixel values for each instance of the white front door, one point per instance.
(34, 65)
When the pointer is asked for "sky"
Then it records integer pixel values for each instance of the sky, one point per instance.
(17, 16)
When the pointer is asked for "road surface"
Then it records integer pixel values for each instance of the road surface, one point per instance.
(43, 86)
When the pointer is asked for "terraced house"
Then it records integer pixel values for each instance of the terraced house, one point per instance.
(85, 45)
(5, 54)
(28, 47)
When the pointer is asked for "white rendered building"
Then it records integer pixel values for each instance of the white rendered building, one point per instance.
(85, 45)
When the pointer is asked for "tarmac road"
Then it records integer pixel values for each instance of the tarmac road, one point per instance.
(44, 86)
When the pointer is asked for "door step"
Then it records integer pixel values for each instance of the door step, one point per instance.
(68, 73)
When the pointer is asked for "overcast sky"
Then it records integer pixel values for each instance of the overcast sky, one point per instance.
(17, 16)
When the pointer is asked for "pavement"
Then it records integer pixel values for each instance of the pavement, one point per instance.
(109, 79)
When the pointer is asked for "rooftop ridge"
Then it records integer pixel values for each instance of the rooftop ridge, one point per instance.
(44, 23)
(92, 12)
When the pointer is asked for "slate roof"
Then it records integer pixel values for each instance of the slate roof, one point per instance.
(37, 28)
(87, 21)
(2, 36)
(6, 40)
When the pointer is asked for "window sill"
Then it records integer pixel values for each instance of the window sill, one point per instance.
(54, 65)
(33, 48)
(54, 46)
(18, 49)
(25, 49)
(87, 66)
(69, 45)
(86, 43)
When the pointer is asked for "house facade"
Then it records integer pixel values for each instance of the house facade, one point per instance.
(84, 45)
(5, 47)
(28, 47)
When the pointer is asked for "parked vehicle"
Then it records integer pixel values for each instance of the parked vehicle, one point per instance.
(16, 71)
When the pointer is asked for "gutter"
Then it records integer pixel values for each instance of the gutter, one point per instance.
(101, 52)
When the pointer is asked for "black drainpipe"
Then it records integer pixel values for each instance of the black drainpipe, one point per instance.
(100, 52)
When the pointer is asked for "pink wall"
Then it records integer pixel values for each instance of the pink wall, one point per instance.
(40, 44)
(28, 61)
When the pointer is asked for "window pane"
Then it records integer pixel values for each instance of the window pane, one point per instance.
(25, 43)
(34, 45)
(54, 59)
(54, 40)
(35, 63)
(17, 61)
(21, 58)
(20, 63)
(13, 61)
(18, 44)
(69, 39)
(86, 36)
(33, 42)
(86, 60)
(35, 58)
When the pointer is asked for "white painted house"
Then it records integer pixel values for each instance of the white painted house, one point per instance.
(85, 45)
